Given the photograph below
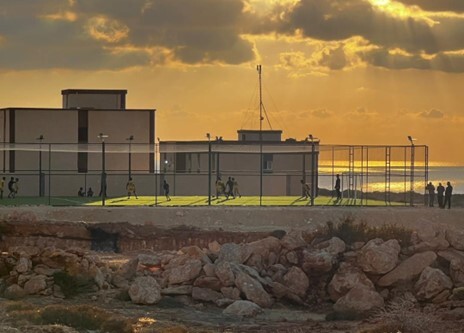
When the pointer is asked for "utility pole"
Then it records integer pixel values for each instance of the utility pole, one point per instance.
(259, 69)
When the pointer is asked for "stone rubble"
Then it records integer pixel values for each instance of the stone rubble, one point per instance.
(247, 278)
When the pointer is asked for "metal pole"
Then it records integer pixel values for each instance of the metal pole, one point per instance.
(426, 166)
(41, 189)
(156, 173)
(102, 137)
(130, 160)
(313, 151)
(49, 173)
(130, 138)
(103, 181)
(411, 198)
(209, 168)
(260, 137)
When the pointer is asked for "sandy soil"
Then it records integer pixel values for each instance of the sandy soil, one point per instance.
(240, 219)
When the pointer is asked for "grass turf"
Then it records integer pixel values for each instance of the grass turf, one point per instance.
(190, 201)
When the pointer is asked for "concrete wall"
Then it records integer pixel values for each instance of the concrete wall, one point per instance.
(119, 126)
(60, 128)
(96, 101)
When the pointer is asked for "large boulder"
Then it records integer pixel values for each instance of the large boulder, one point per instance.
(145, 290)
(243, 309)
(334, 246)
(234, 253)
(455, 238)
(231, 293)
(205, 294)
(293, 240)
(186, 272)
(346, 278)
(456, 265)
(297, 281)
(317, 262)
(14, 292)
(252, 289)
(379, 257)
(195, 252)
(408, 269)
(357, 302)
(281, 291)
(264, 247)
(23, 265)
(24, 251)
(208, 282)
(431, 283)
(223, 270)
(35, 285)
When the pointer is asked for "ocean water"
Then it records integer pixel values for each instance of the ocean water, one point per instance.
(400, 178)
(443, 174)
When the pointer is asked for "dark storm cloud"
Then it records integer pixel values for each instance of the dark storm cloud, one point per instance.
(437, 5)
(85, 34)
(338, 20)
(200, 31)
(451, 63)
(197, 31)
(342, 19)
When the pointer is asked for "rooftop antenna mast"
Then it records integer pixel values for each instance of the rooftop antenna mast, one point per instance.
(261, 104)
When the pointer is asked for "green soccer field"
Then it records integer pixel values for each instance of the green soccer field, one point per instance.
(190, 201)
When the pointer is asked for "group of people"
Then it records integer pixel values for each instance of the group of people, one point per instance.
(229, 189)
(13, 187)
(130, 188)
(82, 193)
(443, 194)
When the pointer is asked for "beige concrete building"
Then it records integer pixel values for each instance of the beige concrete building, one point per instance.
(62, 144)
(185, 164)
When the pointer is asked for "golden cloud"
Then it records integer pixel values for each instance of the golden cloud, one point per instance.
(106, 29)
(61, 16)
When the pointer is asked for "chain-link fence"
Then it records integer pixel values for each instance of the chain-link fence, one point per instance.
(54, 174)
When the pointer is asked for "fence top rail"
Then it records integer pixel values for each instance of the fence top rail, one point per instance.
(167, 147)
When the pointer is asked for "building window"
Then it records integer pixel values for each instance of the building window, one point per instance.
(82, 137)
(267, 162)
(181, 162)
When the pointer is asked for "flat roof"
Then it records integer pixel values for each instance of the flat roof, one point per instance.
(238, 143)
(72, 109)
(94, 91)
(257, 131)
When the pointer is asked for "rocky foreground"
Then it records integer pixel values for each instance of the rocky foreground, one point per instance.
(379, 279)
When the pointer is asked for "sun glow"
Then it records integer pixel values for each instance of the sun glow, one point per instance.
(380, 2)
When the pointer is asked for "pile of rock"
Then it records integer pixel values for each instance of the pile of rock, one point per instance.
(28, 270)
(244, 278)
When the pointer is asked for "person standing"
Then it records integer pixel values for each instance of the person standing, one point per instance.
(166, 190)
(305, 189)
(236, 190)
(230, 187)
(448, 194)
(16, 187)
(338, 187)
(440, 194)
(220, 187)
(11, 188)
(431, 189)
(2, 187)
(130, 187)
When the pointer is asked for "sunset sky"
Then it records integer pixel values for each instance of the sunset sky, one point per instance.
(347, 71)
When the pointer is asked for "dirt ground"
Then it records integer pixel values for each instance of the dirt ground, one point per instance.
(240, 219)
